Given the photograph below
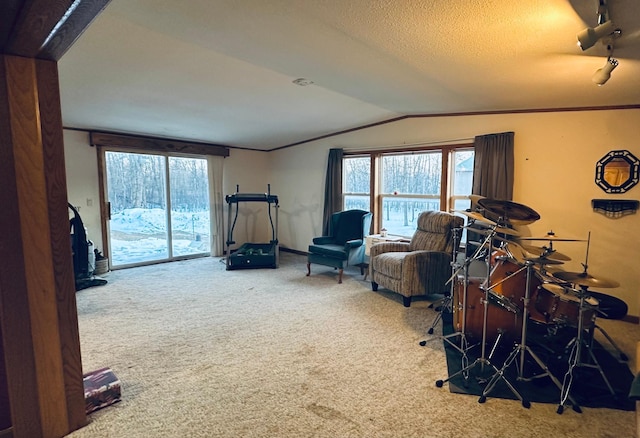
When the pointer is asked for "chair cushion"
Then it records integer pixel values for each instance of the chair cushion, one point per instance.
(390, 264)
(335, 251)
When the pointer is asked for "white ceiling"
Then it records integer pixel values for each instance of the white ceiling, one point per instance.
(221, 71)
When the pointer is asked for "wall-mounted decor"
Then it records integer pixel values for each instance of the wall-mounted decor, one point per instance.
(617, 171)
(615, 208)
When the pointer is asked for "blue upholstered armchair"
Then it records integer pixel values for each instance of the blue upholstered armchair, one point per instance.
(344, 245)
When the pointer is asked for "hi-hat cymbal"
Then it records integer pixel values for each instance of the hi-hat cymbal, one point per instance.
(512, 212)
(585, 279)
(548, 253)
(475, 216)
(543, 261)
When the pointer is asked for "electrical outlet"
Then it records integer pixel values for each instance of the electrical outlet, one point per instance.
(89, 202)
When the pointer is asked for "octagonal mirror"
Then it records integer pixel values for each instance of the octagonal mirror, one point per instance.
(617, 171)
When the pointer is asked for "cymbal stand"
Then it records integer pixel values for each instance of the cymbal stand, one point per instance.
(463, 347)
(445, 303)
(483, 359)
(575, 357)
(521, 349)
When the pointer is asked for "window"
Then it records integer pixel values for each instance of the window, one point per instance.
(398, 185)
(356, 182)
(159, 207)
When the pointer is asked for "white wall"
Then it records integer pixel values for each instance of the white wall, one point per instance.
(81, 163)
(555, 157)
(249, 170)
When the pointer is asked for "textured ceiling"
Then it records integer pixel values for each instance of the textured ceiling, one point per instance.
(222, 71)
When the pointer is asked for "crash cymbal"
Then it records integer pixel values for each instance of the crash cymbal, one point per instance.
(475, 216)
(475, 198)
(499, 230)
(585, 279)
(517, 214)
(548, 253)
(543, 261)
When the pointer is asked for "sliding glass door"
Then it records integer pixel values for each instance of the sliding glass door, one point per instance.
(159, 207)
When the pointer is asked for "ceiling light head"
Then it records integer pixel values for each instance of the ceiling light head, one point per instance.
(303, 82)
(602, 75)
(588, 37)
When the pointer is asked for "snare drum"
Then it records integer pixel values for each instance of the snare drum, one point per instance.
(560, 305)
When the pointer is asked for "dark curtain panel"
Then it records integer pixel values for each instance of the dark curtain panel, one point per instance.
(493, 166)
(332, 188)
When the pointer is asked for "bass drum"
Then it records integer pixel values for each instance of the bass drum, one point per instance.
(502, 316)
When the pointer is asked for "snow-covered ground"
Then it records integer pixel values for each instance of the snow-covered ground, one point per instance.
(139, 235)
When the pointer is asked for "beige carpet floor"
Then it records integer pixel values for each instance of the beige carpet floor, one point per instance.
(205, 352)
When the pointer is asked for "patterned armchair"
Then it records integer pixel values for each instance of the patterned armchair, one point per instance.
(419, 267)
(345, 243)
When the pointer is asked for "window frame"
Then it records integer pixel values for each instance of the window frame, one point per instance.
(376, 199)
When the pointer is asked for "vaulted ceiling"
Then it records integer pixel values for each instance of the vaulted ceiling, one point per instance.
(223, 71)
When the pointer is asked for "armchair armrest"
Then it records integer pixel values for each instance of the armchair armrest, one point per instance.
(323, 240)
(353, 243)
(383, 247)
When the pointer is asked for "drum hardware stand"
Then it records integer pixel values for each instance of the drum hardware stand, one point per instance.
(521, 349)
(463, 347)
(446, 302)
(483, 359)
(623, 356)
(575, 357)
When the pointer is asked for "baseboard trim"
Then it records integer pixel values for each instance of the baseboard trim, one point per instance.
(294, 251)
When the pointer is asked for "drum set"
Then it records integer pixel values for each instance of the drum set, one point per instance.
(521, 285)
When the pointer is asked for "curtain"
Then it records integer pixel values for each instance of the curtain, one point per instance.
(332, 188)
(493, 166)
(215, 166)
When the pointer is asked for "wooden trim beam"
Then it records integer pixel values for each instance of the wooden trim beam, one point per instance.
(45, 29)
(156, 144)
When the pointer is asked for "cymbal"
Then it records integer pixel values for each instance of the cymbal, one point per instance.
(585, 279)
(543, 261)
(475, 216)
(555, 255)
(513, 212)
(476, 198)
(552, 238)
(499, 230)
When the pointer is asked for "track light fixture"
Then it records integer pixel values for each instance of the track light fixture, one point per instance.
(605, 31)
(602, 75)
(588, 37)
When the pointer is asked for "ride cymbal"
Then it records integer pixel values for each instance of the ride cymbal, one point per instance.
(585, 279)
(517, 214)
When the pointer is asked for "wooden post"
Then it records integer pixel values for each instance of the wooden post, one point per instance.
(37, 292)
